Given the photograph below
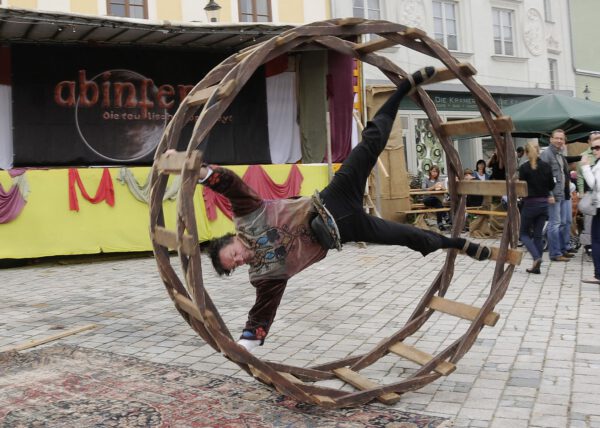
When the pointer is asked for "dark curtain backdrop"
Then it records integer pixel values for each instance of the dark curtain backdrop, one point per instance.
(242, 136)
(48, 132)
(313, 105)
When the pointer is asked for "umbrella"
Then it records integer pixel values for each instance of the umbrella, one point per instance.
(539, 116)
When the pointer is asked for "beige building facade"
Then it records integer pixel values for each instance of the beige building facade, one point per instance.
(232, 11)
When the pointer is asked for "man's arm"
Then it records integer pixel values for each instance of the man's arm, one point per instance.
(222, 180)
(262, 314)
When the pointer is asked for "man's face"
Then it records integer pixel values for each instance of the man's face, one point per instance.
(558, 139)
(235, 254)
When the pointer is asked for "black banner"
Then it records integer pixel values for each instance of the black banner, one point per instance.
(109, 106)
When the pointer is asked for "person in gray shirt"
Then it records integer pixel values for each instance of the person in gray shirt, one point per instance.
(559, 208)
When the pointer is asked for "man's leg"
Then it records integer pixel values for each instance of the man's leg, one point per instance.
(367, 228)
(566, 217)
(554, 238)
(528, 218)
(347, 188)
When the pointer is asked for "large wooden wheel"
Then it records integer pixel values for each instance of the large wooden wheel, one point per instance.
(215, 93)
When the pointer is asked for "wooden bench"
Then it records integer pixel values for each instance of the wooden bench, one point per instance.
(421, 213)
(486, 212)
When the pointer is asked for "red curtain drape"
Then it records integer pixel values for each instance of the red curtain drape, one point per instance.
(256, 177)
(105, 190)
(340, 92)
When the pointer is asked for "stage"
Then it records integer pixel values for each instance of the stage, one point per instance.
(47, 226)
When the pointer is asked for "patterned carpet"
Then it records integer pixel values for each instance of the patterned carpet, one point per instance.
(75, 387)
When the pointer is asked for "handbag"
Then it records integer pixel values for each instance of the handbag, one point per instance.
(587, 204)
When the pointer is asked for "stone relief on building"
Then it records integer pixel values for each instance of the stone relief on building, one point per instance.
(412, 13)
(533, 32)
(553, 44)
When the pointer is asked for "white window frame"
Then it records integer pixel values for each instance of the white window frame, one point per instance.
(548, 11)
(553, 73)
(364, 8)
(511, 13)
(444, 19)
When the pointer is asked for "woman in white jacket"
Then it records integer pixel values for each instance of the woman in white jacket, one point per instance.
(592, 178)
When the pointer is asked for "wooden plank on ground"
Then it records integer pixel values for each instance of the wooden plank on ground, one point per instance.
(476, 126)
(415, 355)
(489, 187)
(358, 381)
(37, 342)
(461, 310)
(168, 238)
(513, 257)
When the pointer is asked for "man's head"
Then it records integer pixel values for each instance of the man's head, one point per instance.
(227, 253)
(558, 138)
(594, 136)
(468, 174)
(520, 151)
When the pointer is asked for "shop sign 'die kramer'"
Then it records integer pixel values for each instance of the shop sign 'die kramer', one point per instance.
(120, 115)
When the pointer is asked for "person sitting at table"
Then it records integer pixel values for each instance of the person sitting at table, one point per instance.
(480, 172)
(473, 200)
(434, 182)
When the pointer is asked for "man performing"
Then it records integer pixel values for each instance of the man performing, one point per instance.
(279, 238)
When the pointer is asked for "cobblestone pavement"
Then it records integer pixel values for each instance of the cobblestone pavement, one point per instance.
(538, 367)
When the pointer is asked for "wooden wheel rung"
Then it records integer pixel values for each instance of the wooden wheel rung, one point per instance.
(461, 310)
(199, 98)
(345, 22)
(489, 187)
(414, 33)
(173, 162)
(374, 45)
(359, 381)
(476, 126)
(260, 375)
(188, 306)
(420, 357)
(513, 257)
(169, 239)
(322, 400)
(444, 74)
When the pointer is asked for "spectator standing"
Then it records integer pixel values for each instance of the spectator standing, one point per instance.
(592, 178)
(559, 209)
(521, 158)
(534, 211)
(582, 187)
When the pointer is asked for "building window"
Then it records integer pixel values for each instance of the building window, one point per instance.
(255, 10)
(553, 68)
(503, 31)
(368, 9)
(128, 8)
(444, 24)
(548, 10)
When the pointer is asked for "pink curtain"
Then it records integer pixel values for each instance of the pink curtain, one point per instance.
(261, 183)
(341, 99)
(11, 204)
